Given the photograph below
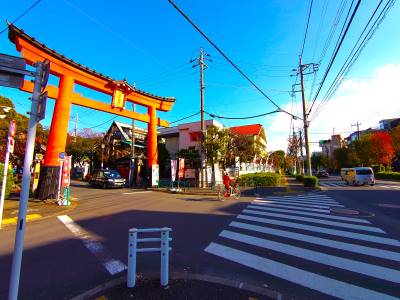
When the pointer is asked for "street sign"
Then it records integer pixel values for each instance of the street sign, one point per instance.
(11, 144)
(154, 174)
(61, 155)
(42, 106)
(12, 71)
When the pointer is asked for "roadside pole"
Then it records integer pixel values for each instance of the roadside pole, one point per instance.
(36, 114)
(10, 139)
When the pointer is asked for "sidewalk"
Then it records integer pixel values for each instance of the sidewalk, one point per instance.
(37, 209)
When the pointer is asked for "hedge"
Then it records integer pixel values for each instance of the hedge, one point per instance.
(9, 183)
(299, 177)
(310, 181)
(388, 175)
(259, 179)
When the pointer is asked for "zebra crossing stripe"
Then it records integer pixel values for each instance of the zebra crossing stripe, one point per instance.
(313, 220)
(385, 254)
(322, 258)
(307, 279)
(309, 214)
(319, 200)
(295, 204)
(341, 233)
(292, 207)
(304, 202)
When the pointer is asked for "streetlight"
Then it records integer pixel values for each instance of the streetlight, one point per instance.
(102, 154)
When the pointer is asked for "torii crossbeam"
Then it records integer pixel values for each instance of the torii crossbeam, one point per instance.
(69, 74)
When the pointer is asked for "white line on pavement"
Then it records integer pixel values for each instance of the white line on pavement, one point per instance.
(292, 207)
(313, 220)
(385, 254)
(140, 192)
(307, 279)
(309, 214)
(341, 233)
(291, 203)
(315, 256)
(113, 266)
(303, 202)
(319, 200)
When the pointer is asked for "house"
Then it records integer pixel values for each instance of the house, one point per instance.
(389, 124)
(254, 131)
(329, 146)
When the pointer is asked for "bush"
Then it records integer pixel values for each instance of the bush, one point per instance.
(9, 183)
(310, 181)
(388, 175)
(259, 179)
(299, 177)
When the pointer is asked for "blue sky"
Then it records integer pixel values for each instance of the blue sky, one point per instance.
(149, 43)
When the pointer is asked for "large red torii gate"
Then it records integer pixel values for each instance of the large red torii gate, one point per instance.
(71, 73)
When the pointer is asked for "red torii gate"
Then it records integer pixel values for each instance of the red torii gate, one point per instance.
(71, 73)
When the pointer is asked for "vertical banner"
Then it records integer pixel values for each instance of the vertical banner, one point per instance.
(173, 169)
(181, 173)
(66, 172)
(154, 174)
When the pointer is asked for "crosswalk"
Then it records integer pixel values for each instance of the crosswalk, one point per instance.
(295, 238)
(343, 184)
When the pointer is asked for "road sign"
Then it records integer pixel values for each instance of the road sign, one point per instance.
(11, 144)
(12, 71)
(61, 155)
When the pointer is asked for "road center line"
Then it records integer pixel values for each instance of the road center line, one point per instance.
(113, 266)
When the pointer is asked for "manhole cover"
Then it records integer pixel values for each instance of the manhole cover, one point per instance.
(389, 205)
(350, 212)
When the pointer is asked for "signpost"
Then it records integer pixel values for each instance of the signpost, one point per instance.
(9, 149)
(61, 158)
(66, 174)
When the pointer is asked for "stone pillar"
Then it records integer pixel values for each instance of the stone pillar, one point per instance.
(48, 180)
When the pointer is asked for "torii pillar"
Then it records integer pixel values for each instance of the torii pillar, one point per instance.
(152, 153)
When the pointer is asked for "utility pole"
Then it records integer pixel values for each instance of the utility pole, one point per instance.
(202, 66)
(358, 129)
(301, 152)
(76, 127)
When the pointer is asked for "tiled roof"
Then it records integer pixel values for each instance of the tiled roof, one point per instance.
(252, 129)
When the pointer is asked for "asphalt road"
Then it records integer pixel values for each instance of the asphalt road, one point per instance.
(295, 245)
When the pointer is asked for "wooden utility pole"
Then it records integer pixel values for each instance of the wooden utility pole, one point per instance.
(305, 122)
(358, 129)
(203, 175)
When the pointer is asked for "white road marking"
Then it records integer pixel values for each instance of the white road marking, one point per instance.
(309, 214)
(341, 233)
(315, 256)
(294, 204)
(139, 192)
(318, 200)
(303, 202)
(113, 266)
(313, 220)
(385, 254)
(307, 279)
(292, 207)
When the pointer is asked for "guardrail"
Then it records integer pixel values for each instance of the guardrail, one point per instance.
(163, 249)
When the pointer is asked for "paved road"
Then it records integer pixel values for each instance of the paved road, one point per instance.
(294, 244)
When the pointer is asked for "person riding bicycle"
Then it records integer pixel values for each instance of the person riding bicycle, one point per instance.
(228, 182)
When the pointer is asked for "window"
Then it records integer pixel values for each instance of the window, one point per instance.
(194, 136)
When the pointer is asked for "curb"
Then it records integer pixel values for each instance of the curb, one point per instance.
(191, 276)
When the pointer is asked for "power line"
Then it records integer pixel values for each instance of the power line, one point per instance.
(184, 118)
(308, 22)
(113, 118)
(21, 15)
(226, 57)
(242, 118)
(335, 52)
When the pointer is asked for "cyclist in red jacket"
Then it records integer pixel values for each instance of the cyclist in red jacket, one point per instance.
(227, 182)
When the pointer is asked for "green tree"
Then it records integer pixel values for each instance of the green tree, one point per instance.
(316, 161)
(277, 160)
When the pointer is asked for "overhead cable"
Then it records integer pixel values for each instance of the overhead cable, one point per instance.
(227, 58)
(242, 118)
(21, 15)
(308, 22)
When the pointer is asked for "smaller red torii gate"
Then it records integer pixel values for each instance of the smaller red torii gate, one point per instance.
(69, 74)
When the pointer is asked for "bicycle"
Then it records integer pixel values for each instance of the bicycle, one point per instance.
(223, 193)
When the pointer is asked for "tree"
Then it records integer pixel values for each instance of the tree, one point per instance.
(316, 161)
(382, 150)
(277, 160)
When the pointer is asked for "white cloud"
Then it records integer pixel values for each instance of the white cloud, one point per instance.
(367, 100)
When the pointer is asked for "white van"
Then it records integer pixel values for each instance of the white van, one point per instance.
(360, 176)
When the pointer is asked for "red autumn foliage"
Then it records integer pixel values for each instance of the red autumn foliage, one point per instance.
(382, 149)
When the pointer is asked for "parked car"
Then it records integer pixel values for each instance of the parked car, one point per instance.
(107, 179)
(360, 176)
(322, 174)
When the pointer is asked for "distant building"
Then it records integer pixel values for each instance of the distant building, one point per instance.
(329, 146)
(389, 124)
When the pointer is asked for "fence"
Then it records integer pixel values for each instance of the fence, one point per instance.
(163, 249)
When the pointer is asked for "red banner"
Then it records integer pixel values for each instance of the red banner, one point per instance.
(66, 172)
(181, 172)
